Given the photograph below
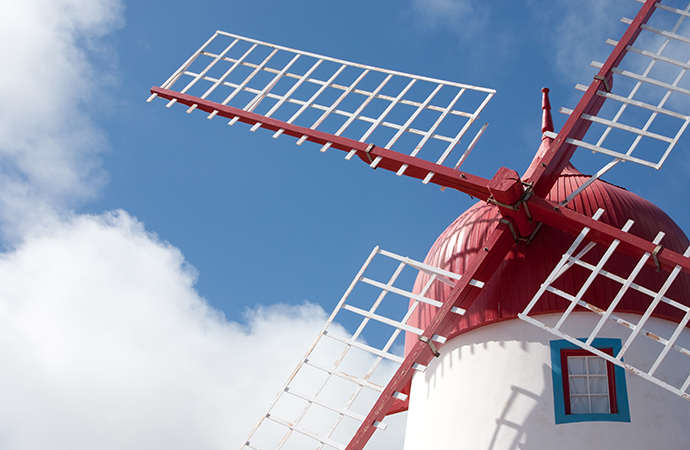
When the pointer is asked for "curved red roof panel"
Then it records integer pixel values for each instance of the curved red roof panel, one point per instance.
(526, 266)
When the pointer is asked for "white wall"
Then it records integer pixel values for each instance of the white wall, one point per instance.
(491, 389)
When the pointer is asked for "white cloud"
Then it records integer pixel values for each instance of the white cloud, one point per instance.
(468, 19)
(580, 34)
(105, 344)
(450, 13)
(471, 30)
(49, 146)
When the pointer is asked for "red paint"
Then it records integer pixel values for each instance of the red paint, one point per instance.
(391, 160)
(475, 186)
(506, 188)
(478, 246)
(546, 119)
(610, 377)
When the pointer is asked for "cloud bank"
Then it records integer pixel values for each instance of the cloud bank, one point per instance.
(106, 344)
(49, 145)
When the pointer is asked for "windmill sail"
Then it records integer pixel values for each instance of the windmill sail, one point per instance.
(335, 103)
(328, 395)
(637, 327)
(644, 90)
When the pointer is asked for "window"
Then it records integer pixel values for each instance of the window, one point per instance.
(589, 383)
(587, 387)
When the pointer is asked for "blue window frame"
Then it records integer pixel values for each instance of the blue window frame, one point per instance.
(587, 388)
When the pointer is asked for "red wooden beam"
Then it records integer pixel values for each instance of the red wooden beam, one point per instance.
(507, 191)
(573, 222)
(391, 160)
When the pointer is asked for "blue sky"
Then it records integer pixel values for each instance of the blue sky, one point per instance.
(245, 208)
(153, 260)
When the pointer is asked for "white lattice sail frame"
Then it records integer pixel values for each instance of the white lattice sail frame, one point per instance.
(360, 383)
(394, 110)
(637, 330)
(650, 111)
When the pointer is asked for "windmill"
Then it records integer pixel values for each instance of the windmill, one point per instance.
(614, 301)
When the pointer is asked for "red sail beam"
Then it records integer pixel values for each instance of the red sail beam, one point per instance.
(390, 160)
(560, 152)
(573, 222)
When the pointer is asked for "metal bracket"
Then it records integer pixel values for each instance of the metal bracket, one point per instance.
(606, 83)
(369, 149)
(517, 238)
(431, 345)
(527, 211)
(655, 255)
(523, 201)
(491, 200)
(525, 196)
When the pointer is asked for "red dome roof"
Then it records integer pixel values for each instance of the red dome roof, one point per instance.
(527, 265)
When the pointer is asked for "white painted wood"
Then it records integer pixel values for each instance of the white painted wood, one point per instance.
(337, 382)
(491, 389)
(274, 81)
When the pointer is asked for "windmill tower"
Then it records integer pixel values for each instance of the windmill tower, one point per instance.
(514, 334)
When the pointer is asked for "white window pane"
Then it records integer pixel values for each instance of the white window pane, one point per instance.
(596, 365)
(578, 385)
(600, 404)
(576, 365)
(579, 404)
(598, 385)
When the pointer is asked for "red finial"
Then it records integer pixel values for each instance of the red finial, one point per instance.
(547, 120)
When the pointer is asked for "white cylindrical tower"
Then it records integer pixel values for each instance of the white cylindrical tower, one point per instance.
(501, 383)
